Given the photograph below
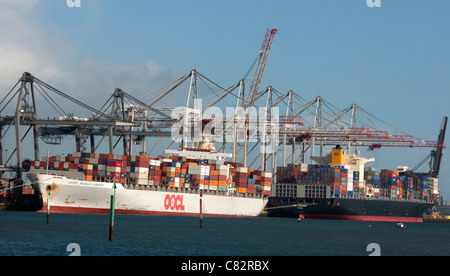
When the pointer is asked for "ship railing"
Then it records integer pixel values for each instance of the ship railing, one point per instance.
(383, 198)
(190, 191)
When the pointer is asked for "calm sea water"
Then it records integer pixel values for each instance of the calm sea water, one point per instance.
(27, 234)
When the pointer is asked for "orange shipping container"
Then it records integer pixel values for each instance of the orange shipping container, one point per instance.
(170, 174)
(213, 183)
(28, 192)
(242, 190)
(222, 183)
(214, 172)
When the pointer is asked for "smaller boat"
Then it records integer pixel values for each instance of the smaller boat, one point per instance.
(400, 225)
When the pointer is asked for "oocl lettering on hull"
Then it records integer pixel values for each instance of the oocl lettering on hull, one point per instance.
(174, 203)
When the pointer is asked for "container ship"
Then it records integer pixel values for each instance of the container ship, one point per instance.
(169, 185)
(339, 186)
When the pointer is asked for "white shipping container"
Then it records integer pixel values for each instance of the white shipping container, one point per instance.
(113, 169)
(141, 176)
(242, 169)
(194, 169)
(266, 174)
(205, 170)
(155, 163)
(141, 170)
(224, 173)
(213, 188)
(142, 181)
(222, 168)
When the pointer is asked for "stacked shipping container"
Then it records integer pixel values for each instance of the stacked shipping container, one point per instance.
(173, 172)
(345, 182)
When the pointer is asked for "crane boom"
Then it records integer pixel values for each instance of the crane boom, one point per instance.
(261, 64)
(438, 153)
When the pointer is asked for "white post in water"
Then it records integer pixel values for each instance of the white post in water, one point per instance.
(201, 209)
(48, 208)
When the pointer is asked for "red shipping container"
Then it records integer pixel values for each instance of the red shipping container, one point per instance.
(242, 185)
(142, 159)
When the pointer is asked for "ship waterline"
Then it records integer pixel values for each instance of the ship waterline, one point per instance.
(76, 196)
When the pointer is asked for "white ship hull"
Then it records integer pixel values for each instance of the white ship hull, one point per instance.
(76, 196)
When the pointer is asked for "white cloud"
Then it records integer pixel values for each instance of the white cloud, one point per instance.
(23, 4)
(27, 46)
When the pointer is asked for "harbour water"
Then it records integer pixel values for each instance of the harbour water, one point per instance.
(27, 234)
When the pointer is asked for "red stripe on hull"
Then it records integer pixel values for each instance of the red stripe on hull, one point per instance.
(80, 210)
(361, 218)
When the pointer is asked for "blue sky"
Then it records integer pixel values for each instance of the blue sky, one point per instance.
(393, 61)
